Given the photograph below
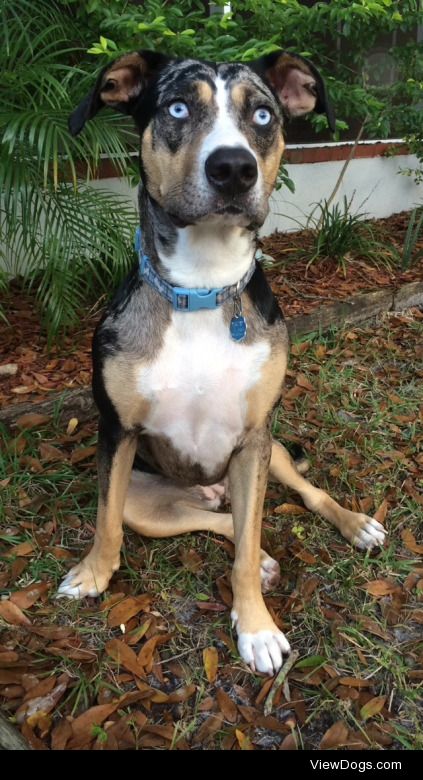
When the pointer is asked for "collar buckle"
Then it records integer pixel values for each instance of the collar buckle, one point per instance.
(188, 299)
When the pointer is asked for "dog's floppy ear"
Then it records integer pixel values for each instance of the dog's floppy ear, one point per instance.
(119, 85)
(297, 84)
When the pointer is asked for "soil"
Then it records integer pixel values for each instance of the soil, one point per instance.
(42, 369)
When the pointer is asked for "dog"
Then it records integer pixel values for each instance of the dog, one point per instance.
(190, 357)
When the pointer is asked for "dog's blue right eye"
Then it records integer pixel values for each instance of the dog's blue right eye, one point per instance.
(179, 110)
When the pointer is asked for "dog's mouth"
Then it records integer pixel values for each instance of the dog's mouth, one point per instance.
(230, 208)
(227, 210)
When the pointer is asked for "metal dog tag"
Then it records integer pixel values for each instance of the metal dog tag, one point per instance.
(238, 326)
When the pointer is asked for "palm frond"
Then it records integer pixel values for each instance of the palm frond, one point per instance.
(66, 240)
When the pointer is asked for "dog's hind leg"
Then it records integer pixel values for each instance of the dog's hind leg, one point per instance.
(156, 507)
(363, 531)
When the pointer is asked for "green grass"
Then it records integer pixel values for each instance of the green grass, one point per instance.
(360, 431)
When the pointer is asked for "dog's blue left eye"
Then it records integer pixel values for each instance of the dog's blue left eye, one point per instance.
(179, 110)
(262, 116)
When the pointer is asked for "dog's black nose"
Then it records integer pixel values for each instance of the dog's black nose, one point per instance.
(231, 170)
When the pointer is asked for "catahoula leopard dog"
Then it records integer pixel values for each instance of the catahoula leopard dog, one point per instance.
(190, 358)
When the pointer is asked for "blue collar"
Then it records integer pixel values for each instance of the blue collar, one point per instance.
(188, 298)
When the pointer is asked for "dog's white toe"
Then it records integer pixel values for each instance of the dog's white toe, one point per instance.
(67, 591)
(84, 580)
(263, 650)
(371, 534)
(70, 591)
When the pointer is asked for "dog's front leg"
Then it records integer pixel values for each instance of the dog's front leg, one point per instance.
(115, 456)
(260, 642)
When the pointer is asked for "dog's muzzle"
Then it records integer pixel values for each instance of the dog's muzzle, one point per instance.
(231, 170)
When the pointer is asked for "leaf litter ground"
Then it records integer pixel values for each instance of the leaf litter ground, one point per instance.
(153, 662)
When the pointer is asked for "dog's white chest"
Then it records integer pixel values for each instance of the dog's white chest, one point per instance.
(198, 387)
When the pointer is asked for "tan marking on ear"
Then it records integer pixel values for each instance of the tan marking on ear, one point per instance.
(294, 83)
(125, 87)
(128, 75)
(289, 61)
(205, 92)
(295, 93)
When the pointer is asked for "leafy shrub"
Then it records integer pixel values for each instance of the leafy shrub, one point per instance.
(66, 239)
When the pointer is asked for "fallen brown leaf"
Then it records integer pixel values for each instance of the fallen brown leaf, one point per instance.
(210, 662)
(8, 657)
(82, 725)
(410, 542)
(124, 656)
(83, 453)
(354, 682)
(243, 740)
(12, 614)
(372, 707)
(289, 742)
(145, 656)
(302, 381)
(208, 728)
(71, 426)
(227, 706)
(380, 514)
(21, 550)
(26, 597)
(50, 453)
(61, 734)
(306, 556)
(181, 694)
(126, 609)
(336, 736)
(379, 588)
(41, 704)
(32, 420)
(290, 509)
(191, 560)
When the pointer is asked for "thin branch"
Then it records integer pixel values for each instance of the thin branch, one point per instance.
(279, 680)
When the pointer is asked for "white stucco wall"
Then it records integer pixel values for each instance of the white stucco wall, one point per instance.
(374, 184)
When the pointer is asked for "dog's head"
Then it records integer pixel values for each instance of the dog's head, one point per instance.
(211, 134)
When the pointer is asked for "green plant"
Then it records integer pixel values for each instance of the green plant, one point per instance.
(65, 239)
(412, 236)
(338, 232)
(367, 77)
(415, 146)
(46, 70)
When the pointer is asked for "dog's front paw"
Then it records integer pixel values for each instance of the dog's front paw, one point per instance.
(88, 578)
(261, 649)
(370, 533)
(362, 531)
